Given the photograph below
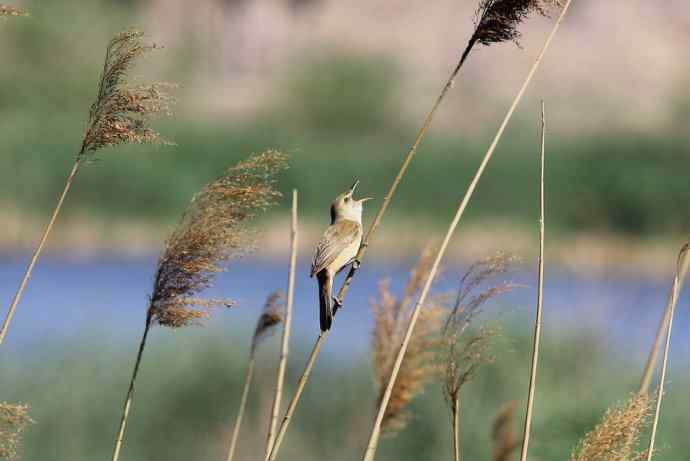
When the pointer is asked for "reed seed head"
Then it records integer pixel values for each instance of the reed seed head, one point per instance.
(615, 437)
(7, 10)
(505, 439)
(498, 20)
(13, 420)
(122, 112)
(271, 316)
(391, 315)
(212, 231)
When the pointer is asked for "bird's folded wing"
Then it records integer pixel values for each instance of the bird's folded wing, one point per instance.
(337, 238)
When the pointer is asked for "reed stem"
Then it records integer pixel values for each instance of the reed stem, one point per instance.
(243, 404)
(663, 323)
(370, 451)
(130, 392)
(295, 398)
(540, 299)
(682, 261)
(456, 428)
(38, 250)
(282, 364)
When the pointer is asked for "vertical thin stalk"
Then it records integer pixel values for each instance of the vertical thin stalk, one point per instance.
(370, 451)
(663, 323)
(682, 259)
(130, 392)
(295, 398)
(456, 428)
(540, 299)
(282, 364)
(243, 404)
(39, 250)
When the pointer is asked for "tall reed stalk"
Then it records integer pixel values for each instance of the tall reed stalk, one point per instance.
(119, 115)
(496, 21)
(540, 299)
(370, 451)
(651, 363)
(213, 230)
(675, 292)
(285, 344)
(269, 318)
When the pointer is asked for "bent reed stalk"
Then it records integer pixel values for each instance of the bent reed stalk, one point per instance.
(675, 292)
(540, 299)
(370, 451)
(119, 115)
(496, 21)
(287, 325)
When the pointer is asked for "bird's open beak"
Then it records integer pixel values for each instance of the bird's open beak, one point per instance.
(354, 186)
(365, 199)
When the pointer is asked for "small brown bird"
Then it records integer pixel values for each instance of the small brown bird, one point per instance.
(337, 248)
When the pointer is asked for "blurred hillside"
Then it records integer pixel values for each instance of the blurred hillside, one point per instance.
(342, 87)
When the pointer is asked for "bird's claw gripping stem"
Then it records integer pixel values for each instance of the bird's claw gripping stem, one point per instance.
(356, 264)
(337, 303)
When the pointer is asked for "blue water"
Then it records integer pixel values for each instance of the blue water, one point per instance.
(104, 299)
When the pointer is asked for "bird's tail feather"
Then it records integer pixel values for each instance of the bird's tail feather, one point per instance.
(325, 301)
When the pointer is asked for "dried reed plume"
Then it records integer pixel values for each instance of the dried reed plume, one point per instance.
(119, 115)
(6, 10)
(419, 367)
(497, 21)
(370, 451)
(270, 317)
(464, 355)
(212, 231)
(13, 420)
(615, 437)
(287, 325)
(505, 440)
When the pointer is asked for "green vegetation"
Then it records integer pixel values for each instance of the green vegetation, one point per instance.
(191, 382)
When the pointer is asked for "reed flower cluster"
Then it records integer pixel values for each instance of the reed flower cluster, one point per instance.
(497, 21)
(212, 231)
(391, 315)
(13, 420)
(615, 437)
(7, 10)
(505, 439)
(121, 112)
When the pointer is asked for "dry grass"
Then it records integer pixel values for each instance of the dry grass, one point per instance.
(121, 112)
(13, 420)
(6, 10)
(212, 231)
(505, 439)
(498, 20)
(420, 366)
(615, 437)
(271, 316)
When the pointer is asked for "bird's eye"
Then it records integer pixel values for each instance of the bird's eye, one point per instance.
(347, 199)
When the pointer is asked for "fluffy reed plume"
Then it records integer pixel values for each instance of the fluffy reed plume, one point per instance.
(615, 437)
(426, 124)
(212, 231)
(6, 10)
(498, 20)
(505, 439)
(464, 355)
(370, 451)
(419, 367)
(119, 115)
(13, 420)
(270, 317)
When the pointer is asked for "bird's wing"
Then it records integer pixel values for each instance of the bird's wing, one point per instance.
(336, 238)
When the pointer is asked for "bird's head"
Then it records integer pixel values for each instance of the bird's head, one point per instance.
(345, 206)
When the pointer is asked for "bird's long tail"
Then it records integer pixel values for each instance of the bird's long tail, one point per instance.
(325, 301)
